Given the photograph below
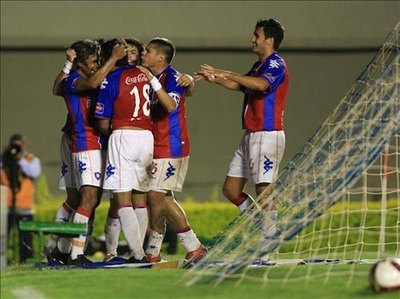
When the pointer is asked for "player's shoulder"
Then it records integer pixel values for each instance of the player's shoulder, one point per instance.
(170, 70)
(71, 77)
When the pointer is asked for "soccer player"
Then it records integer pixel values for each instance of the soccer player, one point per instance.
(265, 89)
(123, 108)
(78, 90)
(134, 49)
(171, 149)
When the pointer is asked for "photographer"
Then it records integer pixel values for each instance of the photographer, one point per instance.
(19, 168)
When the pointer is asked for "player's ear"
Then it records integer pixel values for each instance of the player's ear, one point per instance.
(161, 57)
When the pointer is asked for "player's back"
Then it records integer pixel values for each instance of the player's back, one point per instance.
(125, 96)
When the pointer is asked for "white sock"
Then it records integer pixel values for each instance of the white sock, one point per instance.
(142, 217)
(64, 213)
(130, 228)
(244, 205)
(154, 243)
(269, 222)
(78, 244)
(189, 240)
(64, 245)
(243, 201)
(112, 230)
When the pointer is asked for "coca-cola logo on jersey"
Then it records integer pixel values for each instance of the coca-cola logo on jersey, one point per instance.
(137, 79)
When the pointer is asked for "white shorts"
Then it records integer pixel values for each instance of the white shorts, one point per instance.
(67, 179)
(89, 168)
(129, 158)
(258, 156)
(168, 174)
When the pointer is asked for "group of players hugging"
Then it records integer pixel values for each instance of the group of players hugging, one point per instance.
(126, 132)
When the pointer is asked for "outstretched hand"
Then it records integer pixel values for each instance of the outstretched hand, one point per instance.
(185, 80)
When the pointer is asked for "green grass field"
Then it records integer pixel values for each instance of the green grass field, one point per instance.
(167, 283)
(208, 219)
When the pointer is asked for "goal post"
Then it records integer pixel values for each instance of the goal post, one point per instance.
(326, 195)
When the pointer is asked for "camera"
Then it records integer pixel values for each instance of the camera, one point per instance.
(12, 152)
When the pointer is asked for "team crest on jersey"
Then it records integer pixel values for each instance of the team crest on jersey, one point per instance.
(175, 96)
(273, 64)
(170, 171)
(100, 108)
(270, 77)
(268, 164)
(97, 175)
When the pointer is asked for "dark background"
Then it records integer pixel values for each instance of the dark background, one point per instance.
(326, 46)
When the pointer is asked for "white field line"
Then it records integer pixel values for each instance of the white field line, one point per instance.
(27, 293)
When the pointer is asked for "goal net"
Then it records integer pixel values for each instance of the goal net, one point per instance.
(338, 199)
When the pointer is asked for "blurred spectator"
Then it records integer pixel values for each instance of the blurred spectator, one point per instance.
(19, 169)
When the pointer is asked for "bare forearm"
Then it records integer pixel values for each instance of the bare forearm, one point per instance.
(254, 83)
(57, 83)
(95, 79)
(165, 100)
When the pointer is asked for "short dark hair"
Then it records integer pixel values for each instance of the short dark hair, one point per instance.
(16, 137)
(272, 28)
(83, 49)
(138, 45)
(106, 51)
(164, 46)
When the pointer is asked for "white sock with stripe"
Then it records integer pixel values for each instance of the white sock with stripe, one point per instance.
(78, 244)
(188, 239)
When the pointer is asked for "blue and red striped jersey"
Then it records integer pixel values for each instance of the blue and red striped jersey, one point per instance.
(124, 98)
(171, 139)
(263, 110)
(81, 122)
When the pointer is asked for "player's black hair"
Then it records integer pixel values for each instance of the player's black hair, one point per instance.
(106, 51)
(272, 28)
(164, 46)
(83, 49)
(138, 45)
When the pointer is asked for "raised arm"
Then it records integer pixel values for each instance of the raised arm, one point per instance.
(94, 81)
(70, 55)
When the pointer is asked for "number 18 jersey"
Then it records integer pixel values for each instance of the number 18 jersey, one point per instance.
(124, 98)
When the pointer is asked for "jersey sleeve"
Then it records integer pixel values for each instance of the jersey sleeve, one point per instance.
(273, 72)
(108, 92)
(68, 84)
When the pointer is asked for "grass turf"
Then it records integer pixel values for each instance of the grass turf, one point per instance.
(167, 283)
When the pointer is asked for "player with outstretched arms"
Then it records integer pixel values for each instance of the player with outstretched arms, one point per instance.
(265, 89)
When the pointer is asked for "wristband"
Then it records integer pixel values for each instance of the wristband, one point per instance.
(67, 67)
(155, 84)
